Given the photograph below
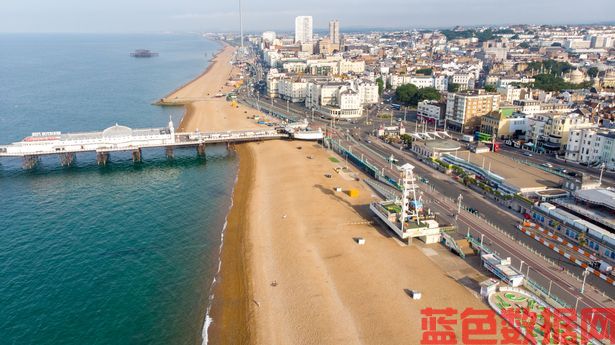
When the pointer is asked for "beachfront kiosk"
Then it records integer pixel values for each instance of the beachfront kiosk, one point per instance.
(502, 269)
(406, 216)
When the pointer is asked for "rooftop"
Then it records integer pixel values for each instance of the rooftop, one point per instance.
(515, 174)
(443, 144)
(602, 197)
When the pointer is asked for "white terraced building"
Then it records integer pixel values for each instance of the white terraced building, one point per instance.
(439, 82)
(343, 100)
(592, 146)
(292, 90)
(552, 130)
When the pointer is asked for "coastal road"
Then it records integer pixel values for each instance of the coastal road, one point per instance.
(515, 244)
(496, 214)
(508, 241)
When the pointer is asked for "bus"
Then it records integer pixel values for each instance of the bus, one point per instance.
(480, 136)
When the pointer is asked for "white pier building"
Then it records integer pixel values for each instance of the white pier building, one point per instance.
(121, 138)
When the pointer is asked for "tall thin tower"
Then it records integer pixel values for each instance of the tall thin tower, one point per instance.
(241, 25)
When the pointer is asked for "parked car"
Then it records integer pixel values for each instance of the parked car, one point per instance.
(527, 154)
(547, 165)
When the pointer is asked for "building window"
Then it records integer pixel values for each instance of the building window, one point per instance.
(594, 245)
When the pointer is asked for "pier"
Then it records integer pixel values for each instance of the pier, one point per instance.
(119, 138)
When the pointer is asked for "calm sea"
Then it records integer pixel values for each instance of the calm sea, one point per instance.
(117, 255)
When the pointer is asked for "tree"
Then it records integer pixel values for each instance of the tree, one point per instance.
(406, 93)
(550, 82)
(490, 88)
(424, 71)
(453, 87)
(412, 95)
(407, 139)
(380, 83)
(555, 67)
(427, 93)
(592, 72)
(524, 45)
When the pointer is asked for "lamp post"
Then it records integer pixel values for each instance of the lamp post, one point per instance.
(576, 305)
(585, 274)
(602, 166)
(459, 199)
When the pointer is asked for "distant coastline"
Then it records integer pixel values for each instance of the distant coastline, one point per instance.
(165, 101)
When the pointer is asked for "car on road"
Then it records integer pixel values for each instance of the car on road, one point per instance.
(473, 211)
(527, 154)
(547, 165)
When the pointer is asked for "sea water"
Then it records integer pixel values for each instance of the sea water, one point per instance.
(123, 254)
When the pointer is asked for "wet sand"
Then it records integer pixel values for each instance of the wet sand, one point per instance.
(230, 309)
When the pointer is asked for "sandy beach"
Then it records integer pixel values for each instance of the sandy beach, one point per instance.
(291, 272)
(205, 111)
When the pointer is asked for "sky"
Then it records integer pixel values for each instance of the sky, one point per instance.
(145, 16)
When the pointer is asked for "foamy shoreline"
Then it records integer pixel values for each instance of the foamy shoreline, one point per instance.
(208, 319)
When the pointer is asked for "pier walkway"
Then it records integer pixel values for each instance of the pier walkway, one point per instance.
(121, 138)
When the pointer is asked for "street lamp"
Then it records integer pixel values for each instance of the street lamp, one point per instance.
(459, 199)
(602, 166)
(521, 265)
(576, 305)
(585, 274)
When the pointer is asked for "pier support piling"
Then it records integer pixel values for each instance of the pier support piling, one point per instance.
(200, 150)
(136, 155)
(30, 162)
(67, 159)
(230, 147)
(169, 152)
(102, 158)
